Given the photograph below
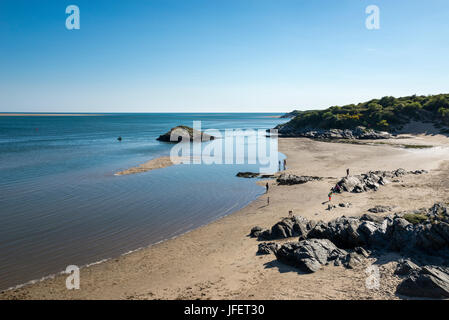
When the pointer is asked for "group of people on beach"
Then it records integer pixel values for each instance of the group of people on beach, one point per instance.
(267, 187)
(285, 165)
(335, 189)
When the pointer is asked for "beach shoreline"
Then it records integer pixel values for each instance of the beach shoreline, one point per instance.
(218, 261)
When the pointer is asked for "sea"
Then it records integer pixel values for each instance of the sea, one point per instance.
(61, 203)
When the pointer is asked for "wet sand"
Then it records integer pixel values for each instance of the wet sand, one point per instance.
(158, 163)
(218, 261)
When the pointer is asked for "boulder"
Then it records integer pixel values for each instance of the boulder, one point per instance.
(371, 217)
(343, 232)
(344, 205)
(406, 268)
(291, 179)
(310, 255)
(380, 209)
(430, 282)
(247, 175)
(255, 232)
(267, 248)
(371, 180)
(296, 226)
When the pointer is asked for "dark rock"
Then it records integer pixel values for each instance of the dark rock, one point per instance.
(430, 282)
(247, 175)
(442, 228)
(361, 251)
(406, 267)
(291, 179)
(352, 260)
(344, 205)
(343, 232)
(289, 130)
(380, 209)
(310, 255)
(264, 235)
(255, 232)
(267, 248)
(402, 235)
(370, 181)
(184, 133)
(296, 226)
(371, 217)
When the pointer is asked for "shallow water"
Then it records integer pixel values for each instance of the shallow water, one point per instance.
(60, 203)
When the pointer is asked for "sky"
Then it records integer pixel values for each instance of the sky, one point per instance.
(218, 55)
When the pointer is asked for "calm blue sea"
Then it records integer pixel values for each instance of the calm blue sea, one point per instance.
(60, 203)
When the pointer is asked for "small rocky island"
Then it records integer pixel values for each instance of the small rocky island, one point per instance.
(184, 133)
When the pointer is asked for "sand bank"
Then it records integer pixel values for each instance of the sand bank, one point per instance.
(158, 163)
(218, 261)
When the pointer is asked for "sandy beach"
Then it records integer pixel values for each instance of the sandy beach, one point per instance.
(219, 261)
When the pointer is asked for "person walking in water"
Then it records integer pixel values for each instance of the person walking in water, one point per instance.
(279, 165)
(267, 187)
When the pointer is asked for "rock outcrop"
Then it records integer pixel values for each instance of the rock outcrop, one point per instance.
(372, 180)
(311, 255)
(268, 248)
(345, 241)
(289, 130)
(184, 133)
(394, 232)
(251, 175)
(247, 175)
(289, 227)
(380, 209)
(291, 179)
(429, 282)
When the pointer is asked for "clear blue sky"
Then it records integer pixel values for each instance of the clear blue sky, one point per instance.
(218, 55)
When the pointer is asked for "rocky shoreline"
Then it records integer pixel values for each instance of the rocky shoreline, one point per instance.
(360, 133)
(421, 235)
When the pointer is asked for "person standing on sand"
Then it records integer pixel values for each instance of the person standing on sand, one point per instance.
(267, 187)
(330, 196)
(285, 164)
(347, 172)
